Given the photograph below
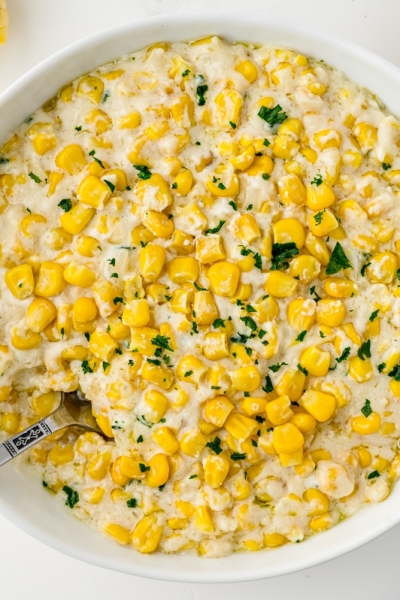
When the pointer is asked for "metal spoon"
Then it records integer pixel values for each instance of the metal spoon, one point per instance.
(73, 410)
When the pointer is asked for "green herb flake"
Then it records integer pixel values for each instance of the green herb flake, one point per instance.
(317, 298)
(105, 365)
(268, 387)
(143, 468)
(72, 496)
(318, 217)
(364, 350)
(337, 261)
(162, 342)
(302, 369)
(131, 503)
(186, 73)
(395, 372)
(281, 253)
(174, 185)
(275, 368)
(233, 204)
(233, 125)
(272, 116)
(86, 368)
(364, 268)
(114, 275)
(65, 204)
(266, 176)
(78, 128)
(110, 185)
(99, 162)
(87, 336)
(386, 166)
(139, 439)
(188, 373)
(249, 322)
(373, 315)
(373, 474)
(193, 476)
(200, 91)
(344, 355)
(218, 323)
(118, 300)
(266, 142)
(321, 334)
(154, 361)
(215, 446)
(317, 180)
(215, 229)
(143, 421)
(34, 177)
(143, 171)
(366, 409)
(105, 97)
(301, 336)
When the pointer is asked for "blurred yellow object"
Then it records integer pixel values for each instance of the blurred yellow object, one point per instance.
(3, 22)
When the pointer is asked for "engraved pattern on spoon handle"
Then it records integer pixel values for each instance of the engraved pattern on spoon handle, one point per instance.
(27, 438)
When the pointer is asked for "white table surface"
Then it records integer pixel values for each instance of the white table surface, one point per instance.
(39, 28)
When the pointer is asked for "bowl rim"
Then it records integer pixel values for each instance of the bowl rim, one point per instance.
(233, 568)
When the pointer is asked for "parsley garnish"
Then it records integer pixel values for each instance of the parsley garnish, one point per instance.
(233, 125)
(317, 180)
(318, 217)
(86, 368)
(131, 503)
(188, 373)
(154, 361)
(337, 261)
(301, 336)
(215, 229)
(266, 176)
(363, 269)
(78, 127)
(249, 322)
(215, 446)
(193, 476)
(110, 185)
(198, 288)
(272, 116)
(364, 350)
(381, 367)
(395, 372)
(105, 97)
(72, 496)
(34, 177)
(143, 421)
(268, 387)
(280, 254)
(238, 456)
(65, 204)
(275, 368)
(118, 300)
(233, 204)
(139, 439)
(314, 293)
(218, 323)
(344, 355)
(162, 342)
(200, 91)
(302, 369)
(105, 365)
(373, 315)
(143, 468)
(185, 73)
(174, 185)
(373, 474)
(366, 409)
(386, 166)
(266, 142)
(321, 334)
(98, 162)
(144, 172)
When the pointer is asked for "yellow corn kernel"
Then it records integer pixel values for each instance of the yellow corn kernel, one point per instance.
(165, 437)
(217, 410)
(191, 369)
(92, 88)
(157, 130)
(28, 221)
(226, 189)
(71, 159)
(181, 301)
(228, 106)
(142, 340)
(321, 523)
(104, 423)
(267, 309)
(382, 267)
(319, 404)
(366, 135)
(61, 455)
(246, 228)
(224, 278)
(193, 443)
(84, 310)
(330, 312)
(261, 165)
(246, 379)
(292, 190)
(216, 469)
(305, 268)
(301, 314)
(364, 457)
(360, 370)
(340, 287)
(118, 533)
(279, 411)
(328, 138)
(19, 281)
(366, 425)
(240, 427)
(316, 361)
(253, 406)
(93, 191)
(248, 69)
(146, 535)
(130, 121)
(25, 339)
(352, 334)
(317, 500)
(42, 137)
(75, 353)
(159, 375)
(158, 292)
(282, 72)
(102, 345)
(394, 387)
(158, 403)
(44, 404)
(40, 313)
(79, 275)
(289, 230)
(75, 220)
(58, 238)
(158, 223)
(99, 465)
(320, 197)
(324, 223)
(304, 422)
(183, 269)
(291, 384)
(183, 183)
(317, 248)
(182, 243)
(136, 313)
(50, 281)
(116, 475)
(159, 471)
(210, 249)
(285, 147)
(287, 438)
(9, 422)
(280, 284)
(244, 160)
(182, 111)
(154, 192)
(203, 520)
(151, 261)
(215, 346)
(273, 540)
(141, 235)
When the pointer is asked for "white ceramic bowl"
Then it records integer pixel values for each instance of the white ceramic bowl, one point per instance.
(26, 503)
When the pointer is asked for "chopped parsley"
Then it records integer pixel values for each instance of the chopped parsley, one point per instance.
(314, 293)
(221, 186)
(268, 387)
(162, 342)
(364, 350)
(272, 116)
(86, 368)
(395, 372)
(233, 204)
(193, 476)
(35, 177)
(194, 327)
(143, 421)
(381, 367)
(98, 162)
(337, 261)
(386, 166)
(143, 468)
(366, 409)
(72, 496)
(373, 315)
(344, 355)
(233, 125)
(186, 73)
(249, 322)
(281, 253)
(174, 185)
(188, 373)
(78, 128)
(131, 503)
(139, 439)
(110, 185)
(200, 91)
(144, 171)
(302, 369)
(215, 229)
(65, 204)
(257, 257)
(250, 309)
(238, 456)
(198, 288)
(105, 365)
(301, 336)
(218, 323)
(114, 275)
(318, 217)
(105, 97)
(275, 368)
(373, 474)
(266, 142)
(118, 300)
(266, 176)
(215, 446)
(363, 269)
(317, 180)
(154, 361)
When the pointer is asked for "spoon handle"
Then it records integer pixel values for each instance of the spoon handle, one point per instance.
(27, 438)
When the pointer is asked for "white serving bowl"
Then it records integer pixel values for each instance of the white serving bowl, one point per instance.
(26, 503)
